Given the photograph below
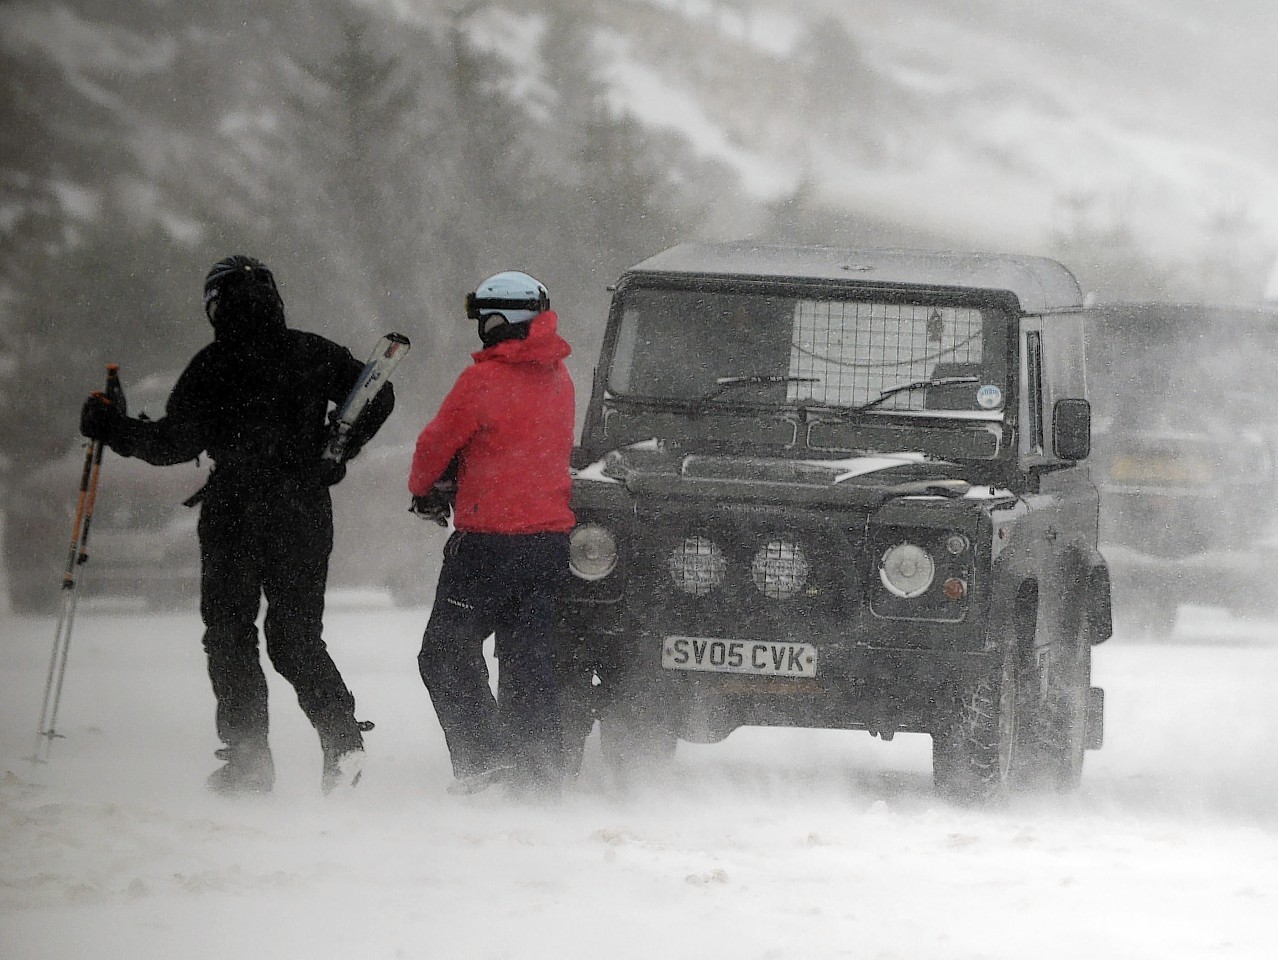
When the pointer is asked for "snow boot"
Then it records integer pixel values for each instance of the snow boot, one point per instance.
(342, 770)
(478, 782)
(249, 769)
(343, 758)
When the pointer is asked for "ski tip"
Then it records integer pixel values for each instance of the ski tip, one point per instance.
(397, 338)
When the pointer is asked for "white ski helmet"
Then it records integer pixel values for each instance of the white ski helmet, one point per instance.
(516, 296)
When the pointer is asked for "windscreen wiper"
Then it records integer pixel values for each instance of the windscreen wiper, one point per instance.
(724, 384)
(915, 385)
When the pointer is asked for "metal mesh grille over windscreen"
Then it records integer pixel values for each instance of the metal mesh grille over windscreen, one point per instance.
(721, 347)
(853, 351)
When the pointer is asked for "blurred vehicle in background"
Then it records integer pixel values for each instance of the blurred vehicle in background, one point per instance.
(1184, 444)
(142, 540)
(377, 543)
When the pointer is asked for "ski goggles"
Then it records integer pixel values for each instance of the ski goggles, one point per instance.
(475, 304)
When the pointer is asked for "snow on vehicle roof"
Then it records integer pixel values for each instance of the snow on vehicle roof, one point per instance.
(1038, 283)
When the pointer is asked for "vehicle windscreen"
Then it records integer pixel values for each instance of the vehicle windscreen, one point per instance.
(808, 349)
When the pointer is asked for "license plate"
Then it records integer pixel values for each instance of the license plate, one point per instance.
(765, 658)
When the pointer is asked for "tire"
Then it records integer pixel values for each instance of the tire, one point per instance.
(636, 729)
(974, 749)
(1055, 731)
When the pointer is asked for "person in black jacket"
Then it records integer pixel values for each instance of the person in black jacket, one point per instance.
(256, 400)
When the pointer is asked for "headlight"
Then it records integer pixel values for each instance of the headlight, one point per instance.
(697, 566)
(906, 570)
(592, 552)
(780, 569)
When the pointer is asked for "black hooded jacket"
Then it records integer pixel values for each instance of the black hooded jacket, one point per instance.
(256, 400)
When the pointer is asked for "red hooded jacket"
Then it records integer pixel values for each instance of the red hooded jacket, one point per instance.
(509, 420)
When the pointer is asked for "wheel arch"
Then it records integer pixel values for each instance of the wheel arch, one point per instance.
(1013, 611)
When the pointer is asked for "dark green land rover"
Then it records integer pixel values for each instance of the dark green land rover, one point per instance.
(840, 488)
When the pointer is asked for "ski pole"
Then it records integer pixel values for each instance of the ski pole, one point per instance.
(77, 555)
(46, 731)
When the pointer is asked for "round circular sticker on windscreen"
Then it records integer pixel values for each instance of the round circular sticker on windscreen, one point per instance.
(989, 396)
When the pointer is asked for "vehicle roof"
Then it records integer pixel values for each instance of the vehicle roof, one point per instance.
(1039, 284)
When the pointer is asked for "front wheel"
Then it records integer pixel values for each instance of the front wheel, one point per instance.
(1056, 722)
(974, 745)
(636, 729)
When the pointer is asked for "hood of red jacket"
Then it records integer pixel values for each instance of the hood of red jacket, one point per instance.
(543, 345)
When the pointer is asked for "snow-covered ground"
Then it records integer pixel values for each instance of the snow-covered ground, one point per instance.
(774, 844)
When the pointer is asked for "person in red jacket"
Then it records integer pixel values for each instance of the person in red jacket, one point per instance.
(505, 431)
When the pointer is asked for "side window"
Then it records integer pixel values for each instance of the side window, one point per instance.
(1034, 381)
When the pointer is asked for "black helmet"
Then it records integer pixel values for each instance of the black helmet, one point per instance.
(241, 298)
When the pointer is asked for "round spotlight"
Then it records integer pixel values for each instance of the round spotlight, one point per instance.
(697, 566)
(906, 570)
(780, 569)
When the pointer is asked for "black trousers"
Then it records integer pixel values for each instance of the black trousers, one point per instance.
(508, 585)
(270, 538)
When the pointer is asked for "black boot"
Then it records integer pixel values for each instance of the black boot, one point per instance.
(481, 780)
(249, 769)
(343, 757)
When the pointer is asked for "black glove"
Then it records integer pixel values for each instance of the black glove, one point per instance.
(330, 472)
(99, 418)
(351, 442)
(433, 506)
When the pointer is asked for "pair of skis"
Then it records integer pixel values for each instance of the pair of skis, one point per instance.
(390, 349)
(386, 355)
